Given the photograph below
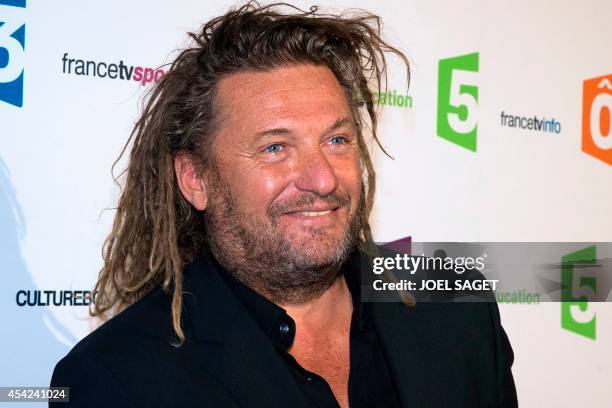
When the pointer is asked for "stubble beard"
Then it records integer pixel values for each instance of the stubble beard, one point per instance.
(262, 257)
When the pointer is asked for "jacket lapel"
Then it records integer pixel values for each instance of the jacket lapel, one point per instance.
(397, 327)
(234, 348)
(397, 331)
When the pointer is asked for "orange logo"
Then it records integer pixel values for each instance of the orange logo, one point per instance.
(596, 118)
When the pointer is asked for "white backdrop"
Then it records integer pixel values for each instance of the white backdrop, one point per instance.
(57, 146)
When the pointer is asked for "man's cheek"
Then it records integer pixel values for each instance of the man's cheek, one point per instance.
(353, 186)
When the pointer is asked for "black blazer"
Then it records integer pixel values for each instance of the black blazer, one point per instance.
(440, 354)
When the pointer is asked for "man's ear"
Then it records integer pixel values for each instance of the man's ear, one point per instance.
(190, 181)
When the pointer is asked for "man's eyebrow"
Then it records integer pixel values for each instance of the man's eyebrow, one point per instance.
(346, 121)
(341, 123)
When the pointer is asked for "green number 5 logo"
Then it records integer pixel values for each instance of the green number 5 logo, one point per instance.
(576, 291)
(458, 100)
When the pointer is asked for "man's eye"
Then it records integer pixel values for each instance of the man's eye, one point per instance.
(273, 148)
(336, 140)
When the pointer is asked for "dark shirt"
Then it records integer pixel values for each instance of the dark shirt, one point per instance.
(370, 381)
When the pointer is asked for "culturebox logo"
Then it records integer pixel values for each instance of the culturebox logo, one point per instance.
(596, 118)
(12, 46)
(577, 315)
(457, 119)
(45, 298)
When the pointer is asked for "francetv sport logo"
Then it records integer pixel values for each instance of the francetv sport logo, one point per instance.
(12, 51)
(110, 70)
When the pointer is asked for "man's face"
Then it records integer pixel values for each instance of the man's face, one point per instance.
(287, 180)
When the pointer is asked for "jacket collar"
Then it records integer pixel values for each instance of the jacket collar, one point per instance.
(231, 345)
(210, 304)
(235, 343)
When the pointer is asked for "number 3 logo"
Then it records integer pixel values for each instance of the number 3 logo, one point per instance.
(12, 34)
(457, 119)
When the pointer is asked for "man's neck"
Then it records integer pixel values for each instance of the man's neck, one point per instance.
(321, 342)
(325, 314)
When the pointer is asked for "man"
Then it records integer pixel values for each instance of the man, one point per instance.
(236, 241)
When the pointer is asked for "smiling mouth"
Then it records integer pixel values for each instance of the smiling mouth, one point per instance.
(313, 213)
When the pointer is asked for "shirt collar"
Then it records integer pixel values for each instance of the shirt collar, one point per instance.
(275, 321)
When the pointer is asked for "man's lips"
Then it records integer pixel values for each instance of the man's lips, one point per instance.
(312, 212)
(314, 216)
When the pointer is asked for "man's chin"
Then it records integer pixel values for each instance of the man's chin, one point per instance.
(317, 254)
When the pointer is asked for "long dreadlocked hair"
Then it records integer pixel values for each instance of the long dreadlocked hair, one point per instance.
(155, 230)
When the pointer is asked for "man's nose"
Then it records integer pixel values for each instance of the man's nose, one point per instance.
(316, 173)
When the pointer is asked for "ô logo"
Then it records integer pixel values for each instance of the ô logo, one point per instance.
(596, 118)
(457, 119)
(12, 44)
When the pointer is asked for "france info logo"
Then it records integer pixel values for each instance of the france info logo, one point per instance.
(12, 44)
(597, 118)
(458, 100)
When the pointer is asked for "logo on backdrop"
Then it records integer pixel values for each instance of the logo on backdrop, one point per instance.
(457, 119)
(110, 70)
(28, 297)
(597, 118)
(577, 315)
(535, 123)
(12, 45)
(393, 98)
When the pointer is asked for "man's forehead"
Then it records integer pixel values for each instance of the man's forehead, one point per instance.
(281, 78)
(282, 93)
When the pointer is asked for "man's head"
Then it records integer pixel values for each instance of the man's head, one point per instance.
(252, 144)
(282, 190)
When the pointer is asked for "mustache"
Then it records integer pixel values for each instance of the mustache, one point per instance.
(308, 199)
